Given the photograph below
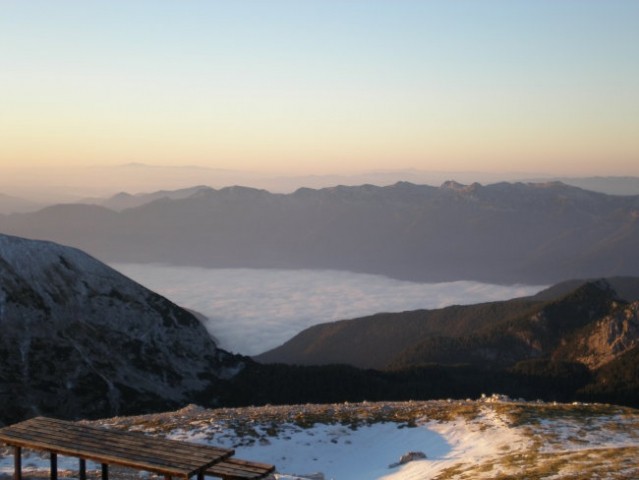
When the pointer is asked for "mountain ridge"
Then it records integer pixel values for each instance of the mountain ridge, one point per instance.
(497, 334)
(500, 233)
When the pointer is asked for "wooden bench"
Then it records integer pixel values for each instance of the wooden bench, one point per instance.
(128, 449)
(236, 469)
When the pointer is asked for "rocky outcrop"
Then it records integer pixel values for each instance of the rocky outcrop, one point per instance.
(407, 458)
(608, 338)
(79, 339)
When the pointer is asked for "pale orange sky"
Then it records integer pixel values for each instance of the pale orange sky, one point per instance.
(322, 86)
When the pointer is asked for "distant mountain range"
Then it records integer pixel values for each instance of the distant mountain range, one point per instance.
(11, 204)
(49, 185)
(609, 185)
(501, 233)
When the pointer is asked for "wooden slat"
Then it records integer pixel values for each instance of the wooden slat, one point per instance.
(105, 446)
(90, 436)
(174, 446)
(249, 464)
(130, 449)
(237, 469)
(120, 436)
(123, 458)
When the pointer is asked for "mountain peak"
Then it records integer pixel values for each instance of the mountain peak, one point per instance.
(460, 187)
(79, 338)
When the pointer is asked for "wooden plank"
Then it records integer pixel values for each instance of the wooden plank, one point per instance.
(98, 444)
(94, 447)
(150, 465)
(124, 437)
(237, 474)
(236, 469)
(131, 437)
(171, 449)
(233, 474)
(228, 471)
(131, 449)
(248, 463)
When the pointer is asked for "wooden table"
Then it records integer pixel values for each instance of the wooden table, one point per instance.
(110, 447)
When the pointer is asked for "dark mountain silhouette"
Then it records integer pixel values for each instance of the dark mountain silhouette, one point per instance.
(123, 200)
(495, 334)
(609, 185)
(375, 341)
(504, 233)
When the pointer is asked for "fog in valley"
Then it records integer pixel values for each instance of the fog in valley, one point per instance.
(251, 311)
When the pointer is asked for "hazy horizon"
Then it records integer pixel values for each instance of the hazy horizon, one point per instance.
(71, 184)
(97, 183)
(286, 88)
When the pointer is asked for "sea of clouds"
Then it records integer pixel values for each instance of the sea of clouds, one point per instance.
(251, 311)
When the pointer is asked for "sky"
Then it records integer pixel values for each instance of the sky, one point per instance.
(321, 86)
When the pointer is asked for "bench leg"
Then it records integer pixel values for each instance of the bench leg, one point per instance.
(83, 469)
(17, 463)
(105, 471)
(200, 475)
(54, 466)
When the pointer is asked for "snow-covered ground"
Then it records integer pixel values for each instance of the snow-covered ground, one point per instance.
(489, 438)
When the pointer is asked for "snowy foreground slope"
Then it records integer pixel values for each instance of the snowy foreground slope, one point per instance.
(489, 438)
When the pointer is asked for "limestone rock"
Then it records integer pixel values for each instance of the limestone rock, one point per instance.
(408, 457)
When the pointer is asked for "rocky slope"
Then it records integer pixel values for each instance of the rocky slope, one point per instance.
(606, 339)
(590, 325)
(79, 339)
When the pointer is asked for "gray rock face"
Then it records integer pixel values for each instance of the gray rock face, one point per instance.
(80, 339)
(407, 458)
(610, 337)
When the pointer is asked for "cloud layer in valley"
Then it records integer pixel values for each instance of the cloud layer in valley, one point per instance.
(251, 311)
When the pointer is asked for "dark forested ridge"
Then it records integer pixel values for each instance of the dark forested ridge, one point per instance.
(580, 344)
(502, 233)
(493, 333)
